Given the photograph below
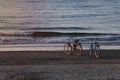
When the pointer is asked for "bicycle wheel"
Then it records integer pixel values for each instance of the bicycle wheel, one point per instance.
(78, 49)
(67, 48)
(97, 51)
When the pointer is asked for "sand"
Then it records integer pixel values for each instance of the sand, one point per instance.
(55, 65)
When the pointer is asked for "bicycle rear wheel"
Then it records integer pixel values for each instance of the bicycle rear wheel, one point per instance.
(67, 48)
(97, 51)
(78, 50)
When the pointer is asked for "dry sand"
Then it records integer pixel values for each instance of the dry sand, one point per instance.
(55, 65)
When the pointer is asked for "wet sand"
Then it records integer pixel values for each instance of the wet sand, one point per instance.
(57, 57)
(55, 65)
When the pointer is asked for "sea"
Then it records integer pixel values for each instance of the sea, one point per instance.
(49, 24)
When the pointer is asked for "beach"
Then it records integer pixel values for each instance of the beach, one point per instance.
(33, 34)
(57, 57)
(55, 65)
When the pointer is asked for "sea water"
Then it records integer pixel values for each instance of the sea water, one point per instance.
(52, 22)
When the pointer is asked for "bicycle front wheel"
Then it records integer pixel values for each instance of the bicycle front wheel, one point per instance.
(78, 50)
(67, 48)
(97, 52)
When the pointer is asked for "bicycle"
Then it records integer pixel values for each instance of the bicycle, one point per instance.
(94, 49)
(73, 47)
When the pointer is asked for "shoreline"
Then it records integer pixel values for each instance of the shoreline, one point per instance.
(47, 47)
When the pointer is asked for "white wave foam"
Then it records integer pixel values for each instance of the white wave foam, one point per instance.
(45, 47)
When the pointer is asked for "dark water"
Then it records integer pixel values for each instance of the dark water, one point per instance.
(54, 21)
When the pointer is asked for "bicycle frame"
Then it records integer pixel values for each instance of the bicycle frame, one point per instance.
(71, 47)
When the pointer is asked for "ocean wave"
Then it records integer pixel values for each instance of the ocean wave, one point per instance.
(55, 28)
(50, 34)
